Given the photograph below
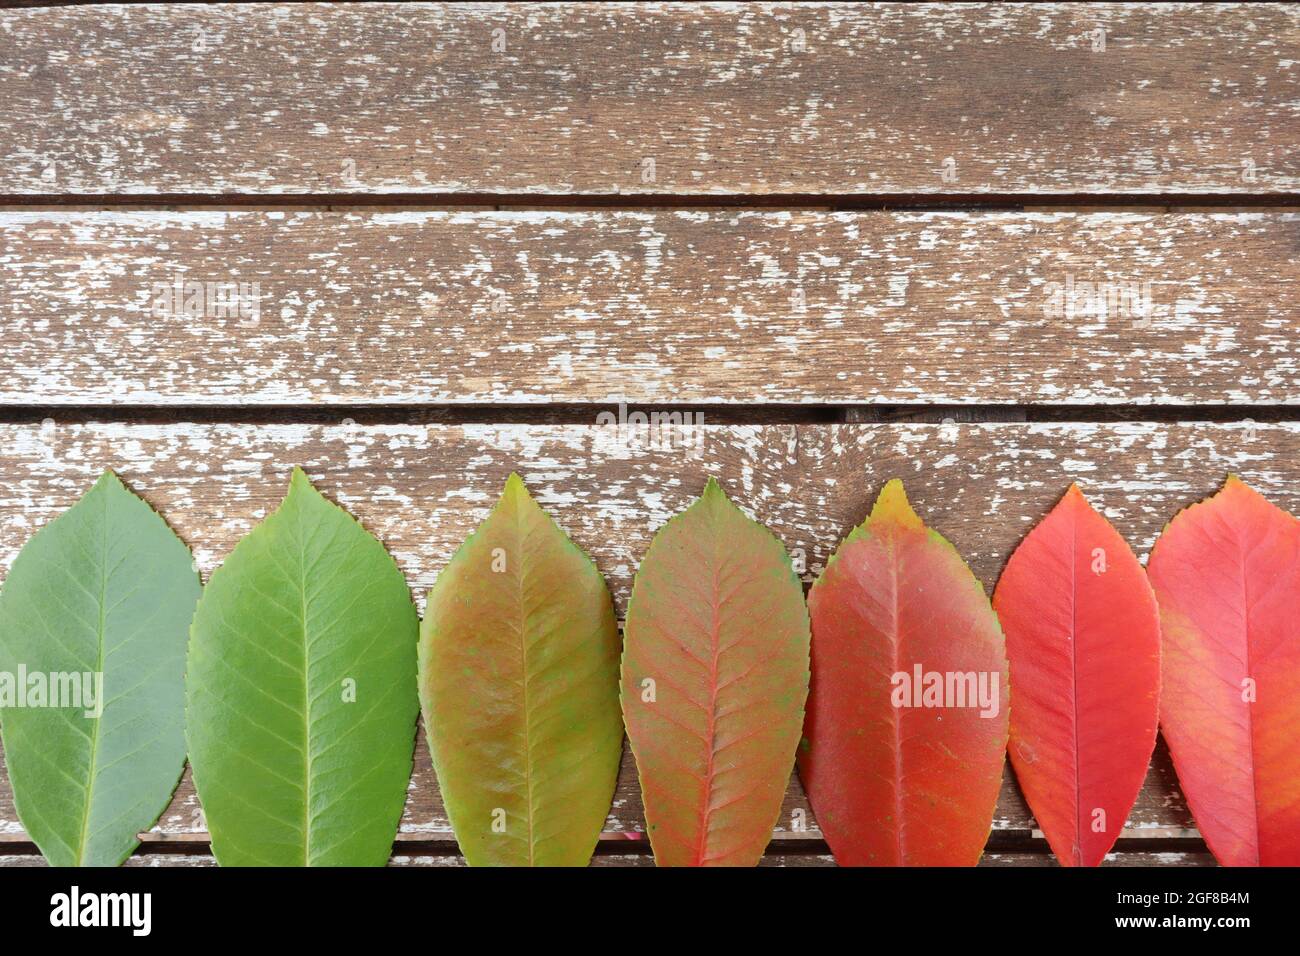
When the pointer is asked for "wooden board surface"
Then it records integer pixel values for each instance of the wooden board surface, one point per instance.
(697, 306)
(422, 488)
(575, 98)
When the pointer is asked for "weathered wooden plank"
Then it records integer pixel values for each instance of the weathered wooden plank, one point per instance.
(581, 98)
(1128, 858)
(423, 488)
(661, 308)
(139, 859)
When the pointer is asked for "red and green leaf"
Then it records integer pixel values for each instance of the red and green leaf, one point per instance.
(1083, 641)
(1226, 573)
(715, 674)
(518, 674)
(914, 784)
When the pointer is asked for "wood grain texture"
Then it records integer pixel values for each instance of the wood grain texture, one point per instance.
(423, 488)
(652, 307)
(759, 99)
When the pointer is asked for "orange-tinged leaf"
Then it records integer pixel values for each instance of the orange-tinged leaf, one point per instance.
(907, 712)
(1083, 641)
(1226, 573)
(715, 673)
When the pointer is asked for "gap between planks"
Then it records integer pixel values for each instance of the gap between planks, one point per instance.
(1170, 203)
(586, 414)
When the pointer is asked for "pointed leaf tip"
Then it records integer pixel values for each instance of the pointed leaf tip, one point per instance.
(298, 479)
(516, 497)
(1236, 490)
(1076, 499)
(1234, 485)
(892, 505)
(711, 487)
(109, 481)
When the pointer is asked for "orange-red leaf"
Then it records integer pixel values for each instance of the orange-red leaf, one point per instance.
(715, 672)
(1083, 640)
(1226, 573)
(895, 775)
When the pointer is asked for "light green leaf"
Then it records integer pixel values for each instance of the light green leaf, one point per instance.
(302, 693)
(519, 682)
(104, 589)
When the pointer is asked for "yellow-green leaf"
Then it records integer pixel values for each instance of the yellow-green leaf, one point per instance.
(519, 686)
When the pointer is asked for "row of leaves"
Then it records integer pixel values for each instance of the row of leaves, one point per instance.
(297, 698)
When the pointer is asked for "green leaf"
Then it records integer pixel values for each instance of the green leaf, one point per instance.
(302, 694)
(519, 684)
(104, 589)
(715, 673)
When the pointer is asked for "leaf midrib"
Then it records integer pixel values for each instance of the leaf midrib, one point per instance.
(895, 558)
(715, 636)
(1074, 686)
(523, 657)
(1251, 723)
(306, 694)
(99, 667)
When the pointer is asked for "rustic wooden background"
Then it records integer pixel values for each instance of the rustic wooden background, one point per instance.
(829, 229)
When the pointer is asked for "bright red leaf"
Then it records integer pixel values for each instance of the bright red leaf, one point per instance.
(1226, 573)
(1083, 640)
(907, 712)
